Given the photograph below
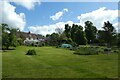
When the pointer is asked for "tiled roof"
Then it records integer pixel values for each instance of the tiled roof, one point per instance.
(28, 35)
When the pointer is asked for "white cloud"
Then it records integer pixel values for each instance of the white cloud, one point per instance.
(98, 17)
(48, 29)
(29, 4)
(59, 14)
(9, 16)
(117, 26)
(65, 9)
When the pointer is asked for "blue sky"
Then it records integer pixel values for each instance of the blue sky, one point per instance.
(39, 15)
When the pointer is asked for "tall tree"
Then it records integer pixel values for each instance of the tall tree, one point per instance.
(90, 31)
(78, 35)
(109, 32)
(53, 39)
(73, 31)
(5, 36)
(67, 30)
(8, 36)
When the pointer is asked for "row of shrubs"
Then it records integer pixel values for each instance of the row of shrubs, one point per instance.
(94, 51)
(36, 45)
(83, 51)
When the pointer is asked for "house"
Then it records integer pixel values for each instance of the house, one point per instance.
(30, 38)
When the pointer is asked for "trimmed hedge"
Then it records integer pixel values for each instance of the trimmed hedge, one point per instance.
(85, 53)
(31, 52)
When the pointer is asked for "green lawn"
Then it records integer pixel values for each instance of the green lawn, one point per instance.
(53, 62)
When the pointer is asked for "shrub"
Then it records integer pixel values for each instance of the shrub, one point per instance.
(107, 50)
(85, 53)
(31, 52)
(116, 51)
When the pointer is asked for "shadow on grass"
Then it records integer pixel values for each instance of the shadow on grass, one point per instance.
(5, 50)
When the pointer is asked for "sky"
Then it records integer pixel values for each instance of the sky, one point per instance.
(44, 17)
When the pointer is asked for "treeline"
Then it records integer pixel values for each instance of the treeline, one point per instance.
(74, 35)
(77, 35)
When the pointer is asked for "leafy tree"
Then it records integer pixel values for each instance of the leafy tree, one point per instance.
(53, 39)
(109, 32)
(67, 30)
(5, 36)
(13, 38)
(90, 31)
(118, 40)
(78, 35)
(73, 31)
(101, 37)
(8, 36)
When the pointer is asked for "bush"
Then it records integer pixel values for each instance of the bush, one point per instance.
(31, 52)
(116, 51)
(85, 53)
(107, 50)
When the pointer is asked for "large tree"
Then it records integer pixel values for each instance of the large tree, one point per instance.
(53, 39)
(109, 33)
(90, 31)
(78, 35)
(8, 36)
(67, 30)
(118, 40)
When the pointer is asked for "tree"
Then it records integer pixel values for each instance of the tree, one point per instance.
(73, 31)
(5, 36)
(8, 36)
(109, 32)
(90, 31)
(67, 30)
(78, 35)
(118, 40)
(13, 38)
(53, 39)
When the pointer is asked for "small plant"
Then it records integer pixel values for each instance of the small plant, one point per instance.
(107, 50)
(116, 51)
(31, 52)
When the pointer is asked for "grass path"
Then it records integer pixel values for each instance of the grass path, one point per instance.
(52, 62)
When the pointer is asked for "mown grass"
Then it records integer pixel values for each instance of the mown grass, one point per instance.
(53, 62)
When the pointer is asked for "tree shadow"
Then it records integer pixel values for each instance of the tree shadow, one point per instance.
(5, 50)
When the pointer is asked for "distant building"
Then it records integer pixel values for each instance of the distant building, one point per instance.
(30, 38)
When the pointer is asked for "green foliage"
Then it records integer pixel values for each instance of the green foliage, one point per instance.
(20, 41)
(90, 31)
(67, 30)
(8, 36)
(109, 32)
(86, 51)
(107, 49)
(78, 35)
(31, 52)
(53, 39)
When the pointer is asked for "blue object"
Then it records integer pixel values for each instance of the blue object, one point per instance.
(66, 46)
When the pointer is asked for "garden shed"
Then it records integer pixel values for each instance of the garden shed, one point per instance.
(66, 46)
